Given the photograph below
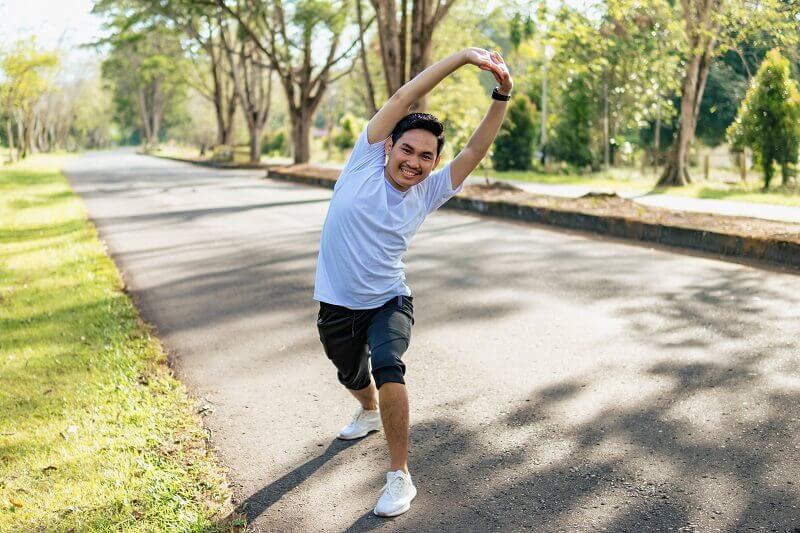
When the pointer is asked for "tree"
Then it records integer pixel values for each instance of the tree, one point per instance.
(146, 66)
(769, 118)
(711, 26)
(205, 27)
(290, 37)
(513, 147)
(252, 80)
(406, 44)
(25, 69)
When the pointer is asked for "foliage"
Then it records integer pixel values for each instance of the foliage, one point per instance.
(350, 127)
(145, 67)
(725, 89)
(513, 148)
(572, 141)
(275, 144)
(709, 29)
(27, 76)
(769, 118)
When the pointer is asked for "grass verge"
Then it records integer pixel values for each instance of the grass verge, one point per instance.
(95, 433)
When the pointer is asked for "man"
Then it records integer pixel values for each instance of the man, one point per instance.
(378, 204)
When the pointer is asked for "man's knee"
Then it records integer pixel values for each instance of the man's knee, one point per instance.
(387, 365)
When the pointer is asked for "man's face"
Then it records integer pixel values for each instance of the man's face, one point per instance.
(411, 158)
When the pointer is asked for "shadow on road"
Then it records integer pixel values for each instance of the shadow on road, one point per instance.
(258, 503)
(697, 430)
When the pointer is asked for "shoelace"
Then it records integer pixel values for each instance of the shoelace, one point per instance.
(394, 487)
(357, 415)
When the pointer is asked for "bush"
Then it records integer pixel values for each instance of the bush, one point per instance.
(513, 148)
(349, 129)
(768, 120)
(274, 144)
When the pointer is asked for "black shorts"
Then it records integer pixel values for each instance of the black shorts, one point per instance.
(354, 338)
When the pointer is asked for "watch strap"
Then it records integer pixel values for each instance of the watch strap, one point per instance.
(496, 95)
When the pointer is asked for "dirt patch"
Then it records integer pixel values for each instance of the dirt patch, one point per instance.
(611, 205)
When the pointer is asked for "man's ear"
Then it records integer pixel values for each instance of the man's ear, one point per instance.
(436, 163)
(387, 146)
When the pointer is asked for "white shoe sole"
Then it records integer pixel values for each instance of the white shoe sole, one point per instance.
(356, 436)
(400, 511)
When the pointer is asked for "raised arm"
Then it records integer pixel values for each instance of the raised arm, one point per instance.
(484, 135)
(384, 121)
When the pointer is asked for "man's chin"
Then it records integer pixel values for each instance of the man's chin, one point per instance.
(405, 181)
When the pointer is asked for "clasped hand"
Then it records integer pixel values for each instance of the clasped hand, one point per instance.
(493, 62)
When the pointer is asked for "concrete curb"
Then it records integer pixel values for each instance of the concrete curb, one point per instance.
(775, 250)
(210, 164)
(772, 250)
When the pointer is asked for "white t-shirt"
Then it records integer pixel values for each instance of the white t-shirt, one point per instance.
(369, 227)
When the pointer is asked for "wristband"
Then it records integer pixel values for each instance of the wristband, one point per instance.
(501, 97)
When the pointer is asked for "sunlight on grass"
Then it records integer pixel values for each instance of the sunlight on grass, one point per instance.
(94, 432)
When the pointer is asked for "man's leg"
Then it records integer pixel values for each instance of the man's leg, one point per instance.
(394, 413)
(389, 335)
(367, 397)
(342, 333)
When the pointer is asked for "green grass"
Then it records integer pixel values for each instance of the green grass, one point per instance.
(95, 434)
(605, 180)
(631, 180)
(745, 192)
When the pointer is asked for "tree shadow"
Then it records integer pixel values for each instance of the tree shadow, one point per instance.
(259, 502)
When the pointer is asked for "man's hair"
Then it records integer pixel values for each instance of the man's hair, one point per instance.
(420, 121)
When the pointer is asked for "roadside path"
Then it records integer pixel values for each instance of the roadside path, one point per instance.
(558, 382)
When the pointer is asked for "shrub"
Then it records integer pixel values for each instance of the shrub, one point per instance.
(513, 147)
(274, 144)
(768, 120)
(349, 128)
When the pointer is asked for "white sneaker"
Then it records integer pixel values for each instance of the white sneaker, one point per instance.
(363, 422)
(397, 494)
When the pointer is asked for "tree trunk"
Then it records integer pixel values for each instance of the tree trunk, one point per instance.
(390, 45)
(10, 136)
(224, 98)
(703, 31)
(371, 107)
(219, 102)
(26, 136)
(255, 131)
(606, 140)
(676, 170)
(301, 129)
(421, 33)
(227, 133)
(398, 65)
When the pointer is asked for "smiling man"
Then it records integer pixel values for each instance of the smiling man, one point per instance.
(381, 198)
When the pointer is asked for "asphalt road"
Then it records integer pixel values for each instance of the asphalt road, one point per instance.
(558, 382)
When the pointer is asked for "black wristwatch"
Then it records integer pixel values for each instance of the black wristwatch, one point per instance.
(502, 97)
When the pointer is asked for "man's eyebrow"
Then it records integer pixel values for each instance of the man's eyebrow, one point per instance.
(406, 145)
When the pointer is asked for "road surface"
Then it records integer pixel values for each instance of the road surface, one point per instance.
(558, 382)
